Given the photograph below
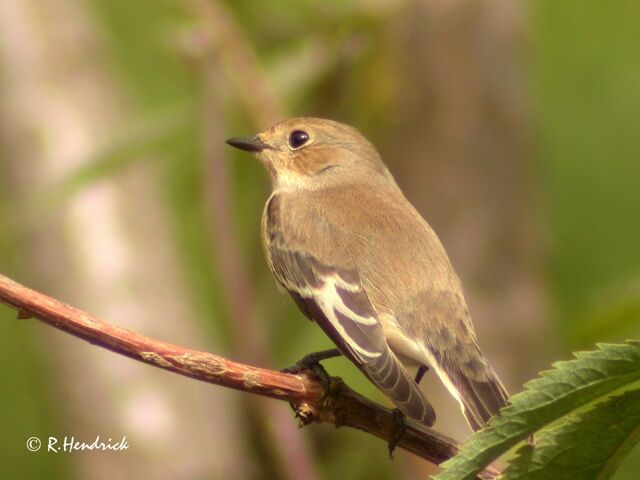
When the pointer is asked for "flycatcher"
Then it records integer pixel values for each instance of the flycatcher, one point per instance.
(361, 262)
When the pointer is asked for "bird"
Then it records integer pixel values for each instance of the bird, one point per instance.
(360, 261)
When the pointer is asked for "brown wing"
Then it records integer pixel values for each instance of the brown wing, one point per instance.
(335, 300)
(454, 353)
(476, 385)
(343, 311)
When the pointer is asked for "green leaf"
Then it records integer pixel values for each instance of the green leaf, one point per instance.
(588, 445)
(570, 385)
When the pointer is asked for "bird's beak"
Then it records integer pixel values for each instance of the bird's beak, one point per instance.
(253, 144)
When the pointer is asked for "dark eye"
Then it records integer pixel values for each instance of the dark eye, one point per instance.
(298, 138)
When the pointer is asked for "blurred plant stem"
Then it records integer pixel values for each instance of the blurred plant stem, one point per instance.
(229, 52)
(458, 143)
(222, 37)
(59, 108)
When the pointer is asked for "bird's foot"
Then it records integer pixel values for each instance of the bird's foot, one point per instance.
(312, 362)
(398, 430)
(422, 369)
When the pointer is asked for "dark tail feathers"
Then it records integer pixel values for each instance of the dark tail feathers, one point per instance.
(481, 393)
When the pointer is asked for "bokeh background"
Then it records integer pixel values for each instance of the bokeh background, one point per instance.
(514, 127)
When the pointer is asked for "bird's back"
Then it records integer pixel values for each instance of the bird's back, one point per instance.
(409, 280)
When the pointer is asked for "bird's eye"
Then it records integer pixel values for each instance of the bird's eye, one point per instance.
(298, 138)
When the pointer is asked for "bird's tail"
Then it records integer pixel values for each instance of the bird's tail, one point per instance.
(477, 388)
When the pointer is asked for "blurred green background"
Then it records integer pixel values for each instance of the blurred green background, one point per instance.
(512, 126)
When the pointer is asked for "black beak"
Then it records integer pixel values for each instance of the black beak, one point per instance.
(248, 144)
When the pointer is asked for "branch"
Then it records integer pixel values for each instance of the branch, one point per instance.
(313, 403)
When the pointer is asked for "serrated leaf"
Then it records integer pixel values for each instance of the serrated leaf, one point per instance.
(588, 445)
(570, 385)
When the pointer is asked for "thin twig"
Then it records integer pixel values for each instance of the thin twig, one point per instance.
(239, 62)
(223, 52)
(312, 401)
(287, 445)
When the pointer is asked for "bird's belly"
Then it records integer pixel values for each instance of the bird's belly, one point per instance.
(410, 351)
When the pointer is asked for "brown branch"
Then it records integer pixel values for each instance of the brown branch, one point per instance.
(313, 403)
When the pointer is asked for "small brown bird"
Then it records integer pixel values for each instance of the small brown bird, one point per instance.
(361, 262)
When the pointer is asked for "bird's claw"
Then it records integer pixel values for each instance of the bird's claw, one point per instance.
(311, 362)
(398, 430)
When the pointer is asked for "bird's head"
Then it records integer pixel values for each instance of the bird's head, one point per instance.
(311, 153)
